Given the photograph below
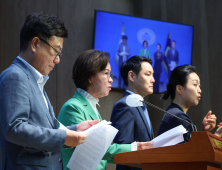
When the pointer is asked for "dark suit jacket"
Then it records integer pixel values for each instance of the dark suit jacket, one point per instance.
(29, 138)
(157, 64)
(131, 123)
(171, 57)
(168, 122)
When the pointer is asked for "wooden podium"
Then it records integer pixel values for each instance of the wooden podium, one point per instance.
(202, 152)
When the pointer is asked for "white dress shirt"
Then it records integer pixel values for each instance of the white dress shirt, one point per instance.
(92, 101)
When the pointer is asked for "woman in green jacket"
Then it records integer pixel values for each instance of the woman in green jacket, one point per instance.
(92, 77)
(145, 52)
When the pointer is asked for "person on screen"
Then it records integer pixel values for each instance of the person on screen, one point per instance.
(92, 76)
(123, 52)
(184, 90)
(29, 136)
(172, 58)
(158, 58)
(134, 123)
(145, 52)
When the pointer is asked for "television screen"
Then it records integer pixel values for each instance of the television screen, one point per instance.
(167, 44)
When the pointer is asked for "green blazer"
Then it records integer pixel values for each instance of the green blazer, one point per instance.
(145, 55)
(76, 110)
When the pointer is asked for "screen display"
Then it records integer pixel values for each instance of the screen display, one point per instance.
(167, 44)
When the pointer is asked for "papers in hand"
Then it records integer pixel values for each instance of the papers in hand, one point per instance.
(95, 127)
(170, 137)
(87, 156)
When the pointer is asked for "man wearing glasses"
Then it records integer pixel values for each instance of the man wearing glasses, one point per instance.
(29, 137)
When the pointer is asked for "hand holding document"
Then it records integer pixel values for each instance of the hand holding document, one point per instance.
(87, 156)
(170, 137)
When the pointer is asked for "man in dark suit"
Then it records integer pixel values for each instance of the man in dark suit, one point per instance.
(172, 58)
(29, 136)
(133, 123)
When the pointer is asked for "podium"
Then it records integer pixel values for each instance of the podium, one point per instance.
(202, 152)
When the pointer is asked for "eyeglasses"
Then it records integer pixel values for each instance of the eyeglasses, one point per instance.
(109, 75)
(59, 54)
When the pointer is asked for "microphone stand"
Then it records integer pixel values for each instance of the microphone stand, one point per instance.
(191, 126)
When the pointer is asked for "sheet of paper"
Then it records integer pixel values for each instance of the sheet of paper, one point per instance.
(170, 137)
(61, 126)
(87, 156)
(93, 128)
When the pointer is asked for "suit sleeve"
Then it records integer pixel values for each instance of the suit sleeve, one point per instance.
(15, 111)
(122, 118)
(114, 149)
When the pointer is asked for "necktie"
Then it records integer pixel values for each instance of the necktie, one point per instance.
(148, 120)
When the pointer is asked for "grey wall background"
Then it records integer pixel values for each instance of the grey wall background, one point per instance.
(78, 16)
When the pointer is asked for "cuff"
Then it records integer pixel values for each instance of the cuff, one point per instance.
(134, 146)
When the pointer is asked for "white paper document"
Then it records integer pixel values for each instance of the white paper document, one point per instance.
(170, 137)
(87, 156)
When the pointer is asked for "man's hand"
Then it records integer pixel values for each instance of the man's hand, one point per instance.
(144, 145)
(86, 124)
(209, 121)
(219, 130)
(74, 138)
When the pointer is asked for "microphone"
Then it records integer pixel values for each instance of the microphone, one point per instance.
(135, 100)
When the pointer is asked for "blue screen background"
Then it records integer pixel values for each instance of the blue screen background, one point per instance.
(108, 28)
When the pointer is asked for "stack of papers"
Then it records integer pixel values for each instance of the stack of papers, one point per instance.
(87, 156)
(170, 137)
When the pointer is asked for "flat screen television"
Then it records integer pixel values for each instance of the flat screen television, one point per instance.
(124, 36)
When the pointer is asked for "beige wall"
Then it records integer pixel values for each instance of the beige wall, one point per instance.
(78, 16)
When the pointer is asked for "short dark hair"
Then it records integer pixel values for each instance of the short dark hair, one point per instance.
(179, 76)
(88, 63)
(134, 64)
(42, 26)
(145, 42)
(124, 37)
(174, 41)
(159, 45)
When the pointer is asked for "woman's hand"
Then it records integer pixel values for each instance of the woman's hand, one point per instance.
(219, 130)
(86, 124)
(144, 145)
(209, 121)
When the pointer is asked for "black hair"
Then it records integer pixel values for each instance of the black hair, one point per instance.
(134, 64)
(179, 76)
(174, 41)
(159, 45)
(42, 26)
(124, 37)
(145, 42)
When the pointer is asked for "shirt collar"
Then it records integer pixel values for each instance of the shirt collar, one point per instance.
(40, 79)
(130, 92)
(89, 97)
